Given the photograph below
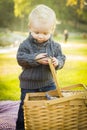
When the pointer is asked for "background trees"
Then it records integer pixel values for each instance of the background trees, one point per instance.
(6, 12)
(14, 13)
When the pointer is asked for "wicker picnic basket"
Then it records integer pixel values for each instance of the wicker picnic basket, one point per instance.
(67, 111)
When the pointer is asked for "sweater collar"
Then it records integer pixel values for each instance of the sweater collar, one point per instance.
(34, 41)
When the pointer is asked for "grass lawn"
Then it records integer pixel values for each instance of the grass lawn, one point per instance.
(9, 83)
(74, 71)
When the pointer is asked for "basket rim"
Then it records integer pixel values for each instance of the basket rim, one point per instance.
(81, 96)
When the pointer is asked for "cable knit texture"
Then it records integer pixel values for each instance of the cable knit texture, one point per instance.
(35, 75)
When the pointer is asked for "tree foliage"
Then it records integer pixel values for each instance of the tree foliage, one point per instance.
(66, 10)
(79, 5)
(61, 8)
(6, 12)
(21, 7)
(79, 8)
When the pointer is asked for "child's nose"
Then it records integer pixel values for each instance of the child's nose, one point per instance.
(40, 35)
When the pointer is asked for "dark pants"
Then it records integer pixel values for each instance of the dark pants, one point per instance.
(20, 120)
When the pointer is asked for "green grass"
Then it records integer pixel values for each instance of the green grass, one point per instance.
(9, 83)
(80, 51)
(73, 38)
(73, 72)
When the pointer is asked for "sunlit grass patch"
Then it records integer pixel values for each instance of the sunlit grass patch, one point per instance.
(9, 82)
(74, 72)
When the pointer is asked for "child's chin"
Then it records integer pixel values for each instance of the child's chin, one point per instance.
(40, 41)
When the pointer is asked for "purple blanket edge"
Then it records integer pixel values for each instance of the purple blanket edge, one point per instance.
(8, 114)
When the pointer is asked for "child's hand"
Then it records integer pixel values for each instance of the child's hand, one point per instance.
(42, 58)
(55, 61)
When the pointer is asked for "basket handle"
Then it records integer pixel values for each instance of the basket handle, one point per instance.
(54, 77)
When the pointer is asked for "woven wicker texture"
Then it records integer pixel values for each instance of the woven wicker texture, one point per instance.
(65, 113)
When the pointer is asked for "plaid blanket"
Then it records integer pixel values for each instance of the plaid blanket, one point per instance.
(8, 114)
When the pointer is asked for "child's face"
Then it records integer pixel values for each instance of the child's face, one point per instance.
(41, 31)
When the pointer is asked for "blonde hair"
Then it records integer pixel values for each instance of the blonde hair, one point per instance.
(44, 14)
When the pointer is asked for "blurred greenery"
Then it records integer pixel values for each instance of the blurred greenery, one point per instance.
(9, 71)
(14, 13)
(74, 72)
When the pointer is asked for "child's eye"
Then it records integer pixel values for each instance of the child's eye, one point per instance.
(37, 32)
(45, 33)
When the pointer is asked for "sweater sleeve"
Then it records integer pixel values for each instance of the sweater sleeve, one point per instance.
(61, 57)
(25, 58)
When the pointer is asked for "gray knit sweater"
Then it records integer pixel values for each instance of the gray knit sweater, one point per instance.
(35, 75)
